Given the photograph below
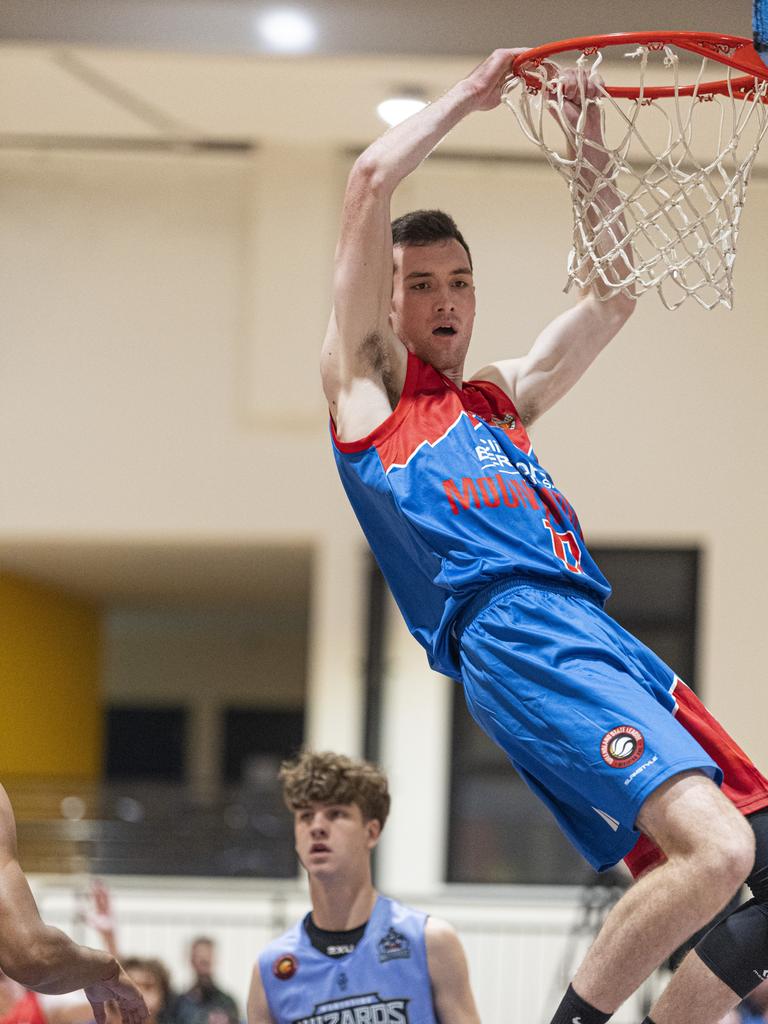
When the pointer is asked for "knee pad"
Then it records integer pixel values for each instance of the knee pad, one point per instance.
(736, 949)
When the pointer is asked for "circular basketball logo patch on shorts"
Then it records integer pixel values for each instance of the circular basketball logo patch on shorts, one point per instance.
(622, 746)
(285, 967)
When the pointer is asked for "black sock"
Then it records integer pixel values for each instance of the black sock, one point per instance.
(647, 1020)
(575, 1010)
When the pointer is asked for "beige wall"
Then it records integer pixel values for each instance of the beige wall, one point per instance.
(167, 655)
(161, 323)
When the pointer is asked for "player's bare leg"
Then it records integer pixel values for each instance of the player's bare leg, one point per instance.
(710, 851)
(730, 958)
(694, 996)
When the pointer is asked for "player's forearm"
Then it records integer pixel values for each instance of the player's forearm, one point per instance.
(400, 150)
(363, 273)
(48, 961)
(603, 218)
(31, 952)
(610, 241)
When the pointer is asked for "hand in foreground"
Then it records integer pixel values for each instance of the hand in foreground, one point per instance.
(124, 993)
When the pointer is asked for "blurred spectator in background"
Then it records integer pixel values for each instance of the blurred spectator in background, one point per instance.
(149, 974)
(98, 914)
(152, 979)
(205, 1003)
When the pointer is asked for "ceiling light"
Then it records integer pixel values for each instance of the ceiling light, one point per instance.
(287, 30)
(398, 108)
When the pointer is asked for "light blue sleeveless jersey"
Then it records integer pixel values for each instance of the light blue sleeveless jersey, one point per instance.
(453, 500)
(384, 980)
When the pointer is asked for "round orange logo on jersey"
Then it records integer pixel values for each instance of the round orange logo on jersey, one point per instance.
(622, 746)
(285, 967)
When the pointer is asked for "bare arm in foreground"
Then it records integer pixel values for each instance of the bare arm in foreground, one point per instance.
(43, 958)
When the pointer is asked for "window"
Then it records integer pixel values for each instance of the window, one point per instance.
(655, 593)
(253, 733)
(146, 743)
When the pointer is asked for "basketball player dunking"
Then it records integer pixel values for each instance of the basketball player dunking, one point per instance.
(487, 562)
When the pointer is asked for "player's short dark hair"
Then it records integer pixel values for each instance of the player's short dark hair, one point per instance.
(425, 227)
(328, 778)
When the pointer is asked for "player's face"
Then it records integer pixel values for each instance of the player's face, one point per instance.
(333, 840)
(201, 959)
(433, 302)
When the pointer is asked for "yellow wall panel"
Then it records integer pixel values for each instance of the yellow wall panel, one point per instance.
(50, 694)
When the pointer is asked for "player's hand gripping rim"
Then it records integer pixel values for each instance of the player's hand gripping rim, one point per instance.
(489, 79)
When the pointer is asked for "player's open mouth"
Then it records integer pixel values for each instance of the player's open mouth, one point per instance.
(319, 848)
(444, 332)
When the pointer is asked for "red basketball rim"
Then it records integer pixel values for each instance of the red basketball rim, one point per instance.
(734, 51)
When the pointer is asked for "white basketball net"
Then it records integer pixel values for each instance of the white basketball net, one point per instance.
(679, 206)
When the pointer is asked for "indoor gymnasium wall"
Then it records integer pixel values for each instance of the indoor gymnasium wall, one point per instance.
(51, 725)
(224, 653)
(208, 661)
(162, 327)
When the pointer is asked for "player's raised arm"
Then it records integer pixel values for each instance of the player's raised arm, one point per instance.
(363, 363)
(572, 341)
(449, 975)
(44, 958)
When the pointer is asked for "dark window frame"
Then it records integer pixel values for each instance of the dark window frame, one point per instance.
(138, 734)
(282, 729)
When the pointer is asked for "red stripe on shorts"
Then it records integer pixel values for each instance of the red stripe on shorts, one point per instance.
(743, 784)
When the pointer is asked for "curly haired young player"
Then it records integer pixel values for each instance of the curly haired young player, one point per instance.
(357, 956)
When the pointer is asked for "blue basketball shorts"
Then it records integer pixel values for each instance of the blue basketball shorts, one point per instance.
(583, 710)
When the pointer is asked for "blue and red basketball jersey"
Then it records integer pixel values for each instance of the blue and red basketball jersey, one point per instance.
(453, 500)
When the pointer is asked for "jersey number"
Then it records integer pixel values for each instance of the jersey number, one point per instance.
(566, 547)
